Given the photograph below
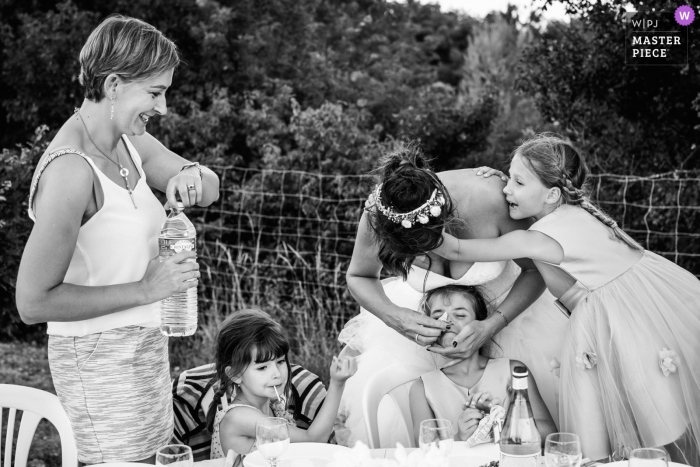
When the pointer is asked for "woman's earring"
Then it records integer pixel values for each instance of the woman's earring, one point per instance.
(233, 393)
(111, 114)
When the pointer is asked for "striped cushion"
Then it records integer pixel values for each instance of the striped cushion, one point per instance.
(308, 393)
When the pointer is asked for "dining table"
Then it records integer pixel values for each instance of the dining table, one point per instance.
(484, 452)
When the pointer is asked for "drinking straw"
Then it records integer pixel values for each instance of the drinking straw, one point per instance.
(278, 394)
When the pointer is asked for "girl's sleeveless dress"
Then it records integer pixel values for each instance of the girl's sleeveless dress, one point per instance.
(217, 452)
(630, 368)
(446, 398)
(535, 338)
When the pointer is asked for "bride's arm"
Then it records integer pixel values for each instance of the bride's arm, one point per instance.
(527, 287)
(363, 282)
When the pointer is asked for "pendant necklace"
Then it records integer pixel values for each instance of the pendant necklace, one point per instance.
(123, 171)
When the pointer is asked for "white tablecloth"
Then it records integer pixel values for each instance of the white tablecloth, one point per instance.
(459, 448)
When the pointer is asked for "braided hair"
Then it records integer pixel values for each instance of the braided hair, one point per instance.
(407, 183)
(247, 336)
(558, 163)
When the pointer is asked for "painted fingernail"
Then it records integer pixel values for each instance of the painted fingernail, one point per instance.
(454, 343)
(479, 173)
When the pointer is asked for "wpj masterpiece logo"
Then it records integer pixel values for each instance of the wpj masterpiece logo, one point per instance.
(658, 39)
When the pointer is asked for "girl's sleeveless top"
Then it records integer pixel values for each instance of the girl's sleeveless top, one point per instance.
(217, 452)
(113, 247)
(446, 398)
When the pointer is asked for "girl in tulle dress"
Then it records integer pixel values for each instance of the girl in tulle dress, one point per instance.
(630, 368)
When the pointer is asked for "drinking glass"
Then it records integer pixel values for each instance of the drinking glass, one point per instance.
(436, 434)
(272, 436)
(562, 450)
(177, 455)
(648, 457)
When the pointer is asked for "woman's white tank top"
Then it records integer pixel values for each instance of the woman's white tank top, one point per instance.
(113, 247)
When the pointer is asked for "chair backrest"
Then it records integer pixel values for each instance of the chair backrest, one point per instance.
(193, 392)
(388, 382)
(36, 404)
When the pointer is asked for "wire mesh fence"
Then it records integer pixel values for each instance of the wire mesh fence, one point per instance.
(282, 240)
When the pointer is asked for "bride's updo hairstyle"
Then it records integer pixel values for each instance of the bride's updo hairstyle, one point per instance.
(558, 163)
(407, 182)
(132, 49)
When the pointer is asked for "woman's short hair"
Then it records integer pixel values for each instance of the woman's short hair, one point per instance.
(128, 47)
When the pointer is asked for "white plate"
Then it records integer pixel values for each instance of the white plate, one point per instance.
(300, 455)
(626, 464)
(124, 464)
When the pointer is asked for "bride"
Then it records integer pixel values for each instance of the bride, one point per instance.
(403, 221)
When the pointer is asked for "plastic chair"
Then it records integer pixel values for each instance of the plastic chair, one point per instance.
(36, 404)
(389, 381)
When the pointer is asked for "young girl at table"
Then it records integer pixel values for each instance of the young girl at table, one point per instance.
(630, 369)
(464, 391)
(253, 367)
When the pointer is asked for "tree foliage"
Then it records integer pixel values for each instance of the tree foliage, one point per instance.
(629, 119)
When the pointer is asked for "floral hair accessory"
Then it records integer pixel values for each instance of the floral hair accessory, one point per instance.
(422, 214)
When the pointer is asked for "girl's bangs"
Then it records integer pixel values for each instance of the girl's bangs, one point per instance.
(270, 347)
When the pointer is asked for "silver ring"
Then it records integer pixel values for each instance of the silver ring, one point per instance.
(416, 339)
(191, 187)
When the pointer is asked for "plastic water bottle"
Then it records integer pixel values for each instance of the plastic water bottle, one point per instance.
(178, 313)
(520, 443)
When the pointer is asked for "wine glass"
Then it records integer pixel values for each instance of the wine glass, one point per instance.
(648, 457)
(272, 437)
(436, 434)
(562, 450)
(176, 455)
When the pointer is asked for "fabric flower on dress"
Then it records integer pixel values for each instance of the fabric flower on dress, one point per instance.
(668, 361)
(556, 365)
(586, 360)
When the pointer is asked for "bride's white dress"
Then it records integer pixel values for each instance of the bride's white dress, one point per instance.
(535, 338)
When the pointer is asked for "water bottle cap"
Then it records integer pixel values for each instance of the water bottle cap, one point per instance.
(520, 372)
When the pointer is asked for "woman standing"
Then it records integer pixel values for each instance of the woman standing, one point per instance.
(90, 267)
(403, 221)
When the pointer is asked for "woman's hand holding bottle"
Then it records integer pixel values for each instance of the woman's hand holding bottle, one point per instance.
(165, 277)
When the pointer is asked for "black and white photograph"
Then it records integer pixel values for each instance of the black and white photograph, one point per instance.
(350, 233)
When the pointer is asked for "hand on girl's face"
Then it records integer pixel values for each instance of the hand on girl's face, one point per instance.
(342, 368)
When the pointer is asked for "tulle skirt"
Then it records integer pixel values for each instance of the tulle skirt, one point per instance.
(535, 338)
(630, 370)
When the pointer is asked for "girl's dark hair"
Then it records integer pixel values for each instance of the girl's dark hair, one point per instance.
(558, 163)
(245, 335)
(407, 183)
(471, 292)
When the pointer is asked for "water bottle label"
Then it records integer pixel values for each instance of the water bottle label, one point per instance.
(171, 246)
